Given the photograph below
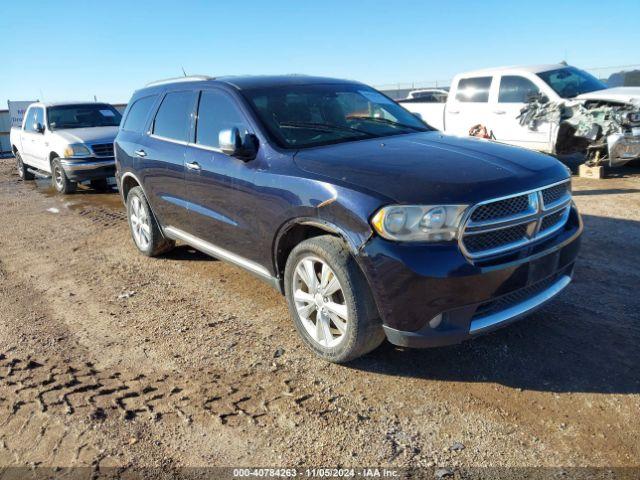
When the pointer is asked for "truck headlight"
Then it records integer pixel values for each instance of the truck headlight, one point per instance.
(634, 117)
(77, 150)
(418, 223)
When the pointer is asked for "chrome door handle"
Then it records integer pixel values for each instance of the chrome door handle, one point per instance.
(499, 112)
(193, 165)
(140, 153)
(454, 112)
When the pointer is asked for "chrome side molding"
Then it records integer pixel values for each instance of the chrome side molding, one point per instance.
(215, 251)
(521, 309)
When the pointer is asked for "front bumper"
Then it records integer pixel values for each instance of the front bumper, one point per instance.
(622, 148)
(432, 295)
(88, 169)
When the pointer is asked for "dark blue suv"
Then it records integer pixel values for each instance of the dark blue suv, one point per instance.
(371, 223)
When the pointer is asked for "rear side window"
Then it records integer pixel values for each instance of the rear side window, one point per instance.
(514, 89)
(473, 89)
(138, 114)
(216, 112)
(173, 117)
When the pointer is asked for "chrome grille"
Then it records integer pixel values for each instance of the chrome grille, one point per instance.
(501, 209)
(552, 194)
(496, 238)
(498, 226)
(103, 149)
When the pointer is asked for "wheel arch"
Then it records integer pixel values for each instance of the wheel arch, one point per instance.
(296, 231)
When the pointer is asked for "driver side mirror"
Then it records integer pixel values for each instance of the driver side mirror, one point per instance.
(234, 144)
(539, 96)
(417, 115)
(38, 127)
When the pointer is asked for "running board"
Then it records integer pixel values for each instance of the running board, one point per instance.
(218, 252)
(38, 173)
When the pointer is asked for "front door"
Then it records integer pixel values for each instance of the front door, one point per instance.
(219, 187)
(33, 141)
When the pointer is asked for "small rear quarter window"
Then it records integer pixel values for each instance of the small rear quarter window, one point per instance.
(138, 114)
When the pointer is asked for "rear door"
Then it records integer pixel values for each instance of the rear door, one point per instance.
(162, 157)
(219, 187)
(469, 105)
(512, 96)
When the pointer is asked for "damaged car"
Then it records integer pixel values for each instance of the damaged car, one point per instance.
(556, 109)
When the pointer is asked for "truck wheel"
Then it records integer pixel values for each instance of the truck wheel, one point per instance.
(23, 173)
(100, 184)
(145, 230)
(330, 301)
(59, 179)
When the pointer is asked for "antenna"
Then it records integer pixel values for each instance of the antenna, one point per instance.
(183, 72)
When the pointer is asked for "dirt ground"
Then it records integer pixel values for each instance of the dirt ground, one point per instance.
(112, 359)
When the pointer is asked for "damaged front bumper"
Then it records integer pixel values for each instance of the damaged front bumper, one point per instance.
(622, 148)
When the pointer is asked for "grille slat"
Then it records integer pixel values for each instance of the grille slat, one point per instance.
(484, 233)
(103, 149)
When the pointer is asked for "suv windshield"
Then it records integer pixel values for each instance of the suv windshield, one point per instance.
(570, 81)
(82, 116)
(299, 116)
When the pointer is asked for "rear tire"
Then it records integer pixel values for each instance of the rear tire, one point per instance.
(330, 301)
(59, 179)
(144, 228)
(23, 173)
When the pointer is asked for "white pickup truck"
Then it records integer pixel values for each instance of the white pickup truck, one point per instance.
(71, 142)
(556, 109)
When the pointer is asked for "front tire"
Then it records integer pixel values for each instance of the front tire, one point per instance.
(330, 301)
(23, 173)
(59, 179)
(144, 228)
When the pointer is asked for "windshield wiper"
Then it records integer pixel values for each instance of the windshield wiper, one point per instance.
(325, 127)
(387, 122)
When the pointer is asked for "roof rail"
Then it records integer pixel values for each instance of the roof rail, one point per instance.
(189, 78)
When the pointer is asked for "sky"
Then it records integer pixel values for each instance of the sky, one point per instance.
(73, 50)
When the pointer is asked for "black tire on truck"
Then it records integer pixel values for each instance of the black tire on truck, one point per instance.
(23, 173)
(145, 231)
(330, 300)
(59, 179)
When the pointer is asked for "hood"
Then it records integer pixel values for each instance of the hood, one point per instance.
(617, 94)
(88, 135)
(432, 167)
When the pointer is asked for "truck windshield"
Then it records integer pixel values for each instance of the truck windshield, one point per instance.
(299, 116)
(570, 81)
(83, 116)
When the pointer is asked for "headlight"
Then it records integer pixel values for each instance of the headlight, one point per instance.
(77, 150)
(634, 117)
(418, 223)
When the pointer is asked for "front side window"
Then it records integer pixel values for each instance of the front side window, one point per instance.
(299, 116)
(570, 81)
(83, 116)
(138, 113)
(216, 112)
(30, 120)
(174, 115)
(515, 89)
(473, 89)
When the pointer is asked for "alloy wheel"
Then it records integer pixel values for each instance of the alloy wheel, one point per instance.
(140, 225)
(320, 302)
